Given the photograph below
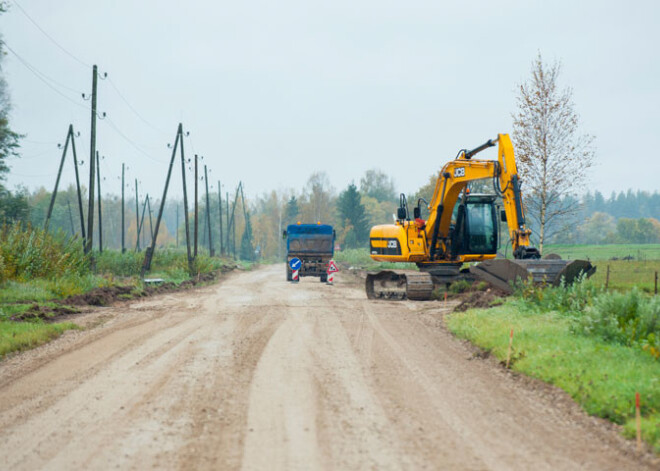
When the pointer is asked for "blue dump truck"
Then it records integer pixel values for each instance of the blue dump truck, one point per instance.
(313, 244)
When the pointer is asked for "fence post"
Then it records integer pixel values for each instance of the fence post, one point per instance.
(607, 277)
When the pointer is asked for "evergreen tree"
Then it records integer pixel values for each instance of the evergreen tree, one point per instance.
(291, 211)
(353, 215)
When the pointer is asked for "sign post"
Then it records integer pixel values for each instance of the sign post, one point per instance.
(295, 264)
(332, 269)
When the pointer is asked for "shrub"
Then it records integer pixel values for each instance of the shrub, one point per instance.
(630, 318)
(28, 253)
(460, 286)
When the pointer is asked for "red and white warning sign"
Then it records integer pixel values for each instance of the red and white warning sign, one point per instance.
(332, 267)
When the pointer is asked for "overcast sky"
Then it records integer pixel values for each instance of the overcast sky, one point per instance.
(273, 91)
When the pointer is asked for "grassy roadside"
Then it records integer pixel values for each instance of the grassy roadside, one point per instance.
(18, 336)
(602, 377)
(29, 306)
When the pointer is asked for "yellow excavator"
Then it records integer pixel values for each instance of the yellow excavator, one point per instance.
(462, 227)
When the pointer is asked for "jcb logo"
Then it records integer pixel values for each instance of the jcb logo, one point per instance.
(459, 172)
(391, 244)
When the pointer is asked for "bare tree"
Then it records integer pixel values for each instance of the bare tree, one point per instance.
(553, 158)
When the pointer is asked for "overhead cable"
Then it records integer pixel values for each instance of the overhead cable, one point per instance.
(51, 38)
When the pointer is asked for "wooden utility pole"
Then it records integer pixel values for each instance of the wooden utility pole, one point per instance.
(208, 212)
(151, 227)
(137, 218)
(57, 180)
(123, 224)
(68, 203)
(80, 203)
(92, 161)
(185, 205)
(177, 225)
(228, 228)
(231, 226)
(146, 265)
(144, 209)
(196, 208)
(222, 247)
(98, 181)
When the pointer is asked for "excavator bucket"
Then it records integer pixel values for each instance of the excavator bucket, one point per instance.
(500, 272)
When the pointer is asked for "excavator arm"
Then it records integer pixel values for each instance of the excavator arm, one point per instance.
(457, 174)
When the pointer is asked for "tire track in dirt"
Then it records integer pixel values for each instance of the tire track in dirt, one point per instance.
(258, 373)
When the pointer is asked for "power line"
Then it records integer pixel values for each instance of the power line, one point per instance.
(132, 108)
(41, 76)
(50, 37)
(130, 141)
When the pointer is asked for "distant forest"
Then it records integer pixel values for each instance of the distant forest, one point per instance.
(625, 217)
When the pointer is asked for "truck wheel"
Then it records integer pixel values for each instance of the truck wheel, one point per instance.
(324, 278)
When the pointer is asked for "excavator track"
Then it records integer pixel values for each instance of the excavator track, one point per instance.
(399, 285)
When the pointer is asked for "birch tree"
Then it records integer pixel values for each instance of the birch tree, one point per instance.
(553, 157)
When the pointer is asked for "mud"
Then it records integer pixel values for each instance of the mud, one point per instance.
(257, 373)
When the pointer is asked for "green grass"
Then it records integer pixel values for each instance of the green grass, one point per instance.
(626, 274)
(40, 289)
(605, 252)
(17, 336)
(602, 377)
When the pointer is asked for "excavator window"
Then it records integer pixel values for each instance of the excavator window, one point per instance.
(481, 228)
(474, 226)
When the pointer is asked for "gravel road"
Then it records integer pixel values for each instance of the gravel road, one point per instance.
(257, 373)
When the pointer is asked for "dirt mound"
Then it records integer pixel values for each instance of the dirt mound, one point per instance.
(105, 296)
(37, 311)
(99, 296)
(480, 299)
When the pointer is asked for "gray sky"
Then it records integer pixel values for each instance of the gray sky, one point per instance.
(272, 91)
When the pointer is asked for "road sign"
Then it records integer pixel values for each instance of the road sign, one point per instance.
(332, 267)
(295, 263)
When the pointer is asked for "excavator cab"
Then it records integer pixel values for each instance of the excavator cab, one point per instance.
(474, 229)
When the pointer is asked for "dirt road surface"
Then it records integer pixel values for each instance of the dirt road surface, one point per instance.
(257, 373)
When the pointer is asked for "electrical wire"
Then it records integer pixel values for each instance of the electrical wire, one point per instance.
(130, 141)
(112, 84)
(41, 76)
(50, 37)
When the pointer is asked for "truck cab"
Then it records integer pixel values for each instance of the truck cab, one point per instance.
(313, 244)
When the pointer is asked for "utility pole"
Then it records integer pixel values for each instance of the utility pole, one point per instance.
(98, 181)
(123, 229)
(92, 153)
(232, 223)
(196, 208)
(185, 204)
(68, 203)
(80, 203)
(177, 225)
(228, 228)
(151, 227)
(146, 264)
(222, 248)
(57, 180)
(208, 212)
(137, 218)
(144, 210)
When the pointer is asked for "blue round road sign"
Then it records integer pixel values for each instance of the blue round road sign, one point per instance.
(295, 263)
